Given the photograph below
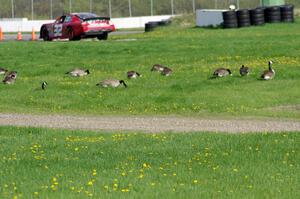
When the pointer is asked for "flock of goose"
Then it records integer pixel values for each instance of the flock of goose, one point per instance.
(11, 76)
(266, 75)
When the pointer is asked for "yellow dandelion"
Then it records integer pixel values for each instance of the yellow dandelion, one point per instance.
(235, 170)
(195, 181)
(90, 183)
(72, 188)
(36, 193)
(141, 176)
(123, 174)
(174, 174)
(125, 190)
(153, 184)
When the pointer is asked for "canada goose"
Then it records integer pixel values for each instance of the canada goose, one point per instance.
(10, 78)
(157, 67)
(2, 71)
(166, 71)
(133, 74)
(78, 72)
(111, 83)
(244, 70)
(44, 84)
(222, 72)
(268, 74)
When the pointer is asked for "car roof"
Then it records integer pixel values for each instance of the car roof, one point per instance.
(85, 15)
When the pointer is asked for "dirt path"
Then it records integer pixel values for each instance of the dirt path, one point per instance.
(148, 124)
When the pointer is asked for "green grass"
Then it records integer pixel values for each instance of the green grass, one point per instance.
(40, 163)
(193, 54)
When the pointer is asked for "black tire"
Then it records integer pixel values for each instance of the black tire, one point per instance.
(103, 36)
(230, 25)
(257, 15)
(288, 20)
(258, 22)
(257, 11)
(45, 34)
(164, 22)
(287, 13)
(242, 12)
(70, 34)
(284, 8)
(273, 9)
(241, 25)
(229, 14)
(151, 25)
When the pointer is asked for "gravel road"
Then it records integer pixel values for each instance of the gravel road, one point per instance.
(148, 124)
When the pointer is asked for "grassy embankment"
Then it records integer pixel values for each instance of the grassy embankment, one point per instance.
(192, 53)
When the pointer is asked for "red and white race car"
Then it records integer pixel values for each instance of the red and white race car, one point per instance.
(75, 26)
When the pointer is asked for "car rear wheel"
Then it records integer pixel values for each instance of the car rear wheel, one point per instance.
(45, 34)
(103, 36)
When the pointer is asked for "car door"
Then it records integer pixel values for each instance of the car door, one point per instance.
(58, 27)
(67, 23)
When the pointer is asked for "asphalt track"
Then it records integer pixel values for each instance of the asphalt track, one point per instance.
(149, 124)
(27, 36)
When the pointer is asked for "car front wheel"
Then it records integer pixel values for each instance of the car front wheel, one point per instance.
(71, 35)
(45, 35)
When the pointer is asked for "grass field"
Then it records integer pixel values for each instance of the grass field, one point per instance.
(40, 163)
(192, 53)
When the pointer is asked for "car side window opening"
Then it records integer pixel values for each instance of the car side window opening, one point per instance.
(68, 19)
(61, 19)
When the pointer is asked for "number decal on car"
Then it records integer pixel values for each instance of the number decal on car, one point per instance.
(58, 30)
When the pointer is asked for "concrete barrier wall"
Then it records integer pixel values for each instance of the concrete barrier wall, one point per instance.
(24, 25)
(209, 17)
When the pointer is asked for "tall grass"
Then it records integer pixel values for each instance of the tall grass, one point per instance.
(193, 54)
(40, 163)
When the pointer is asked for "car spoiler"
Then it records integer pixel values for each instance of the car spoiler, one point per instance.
(94, 18)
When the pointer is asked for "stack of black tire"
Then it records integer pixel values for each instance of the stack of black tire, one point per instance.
(151, 25)
(243, 17)
(273, 14)
(287, 13)
(230, 19)
(258, 16)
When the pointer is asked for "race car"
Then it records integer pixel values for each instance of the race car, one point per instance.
(75, 26)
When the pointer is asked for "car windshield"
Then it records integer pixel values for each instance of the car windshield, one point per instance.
(86, 15)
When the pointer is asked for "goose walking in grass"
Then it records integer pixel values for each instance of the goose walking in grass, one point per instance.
(166, 71)
(111, 83)
(3, 71)
(244, 70)
(10, 77)
(78, 72)
(222, 72)
(133, 74)
(157, 68)
(268, 74)
(44, 85)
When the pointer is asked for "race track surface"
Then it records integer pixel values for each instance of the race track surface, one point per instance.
(148, 124)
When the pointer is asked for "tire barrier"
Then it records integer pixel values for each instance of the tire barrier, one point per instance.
(243, 17)
(258, 16)
(151, 25)
(273, 14)
(230, 19)
(287, 13)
